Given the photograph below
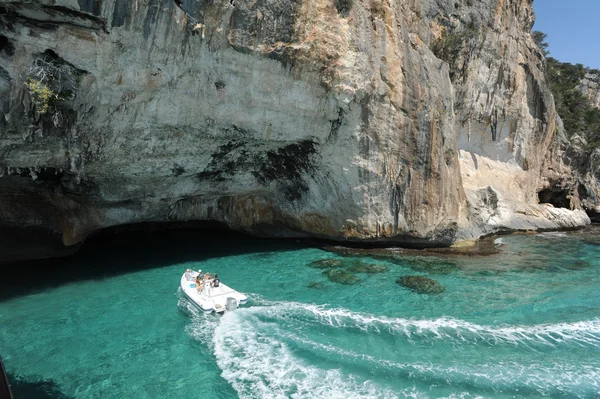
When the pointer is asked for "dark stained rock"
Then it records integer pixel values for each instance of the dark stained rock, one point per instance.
(326, 263)
(482, 247)
(369, 268)
(421, 285)
(341, 276)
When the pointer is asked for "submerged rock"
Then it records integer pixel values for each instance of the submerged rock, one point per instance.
(421, 285)
(577, 265)
(430, 265)
(316, 285)
(326, 263)
(341, 276)
(369, 268)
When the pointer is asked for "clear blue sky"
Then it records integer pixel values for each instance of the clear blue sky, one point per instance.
(573, 29)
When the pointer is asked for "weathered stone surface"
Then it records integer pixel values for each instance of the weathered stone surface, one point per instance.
(341, 276)
(590, 87)
(280, 118)
(584, 159)
(421, 285)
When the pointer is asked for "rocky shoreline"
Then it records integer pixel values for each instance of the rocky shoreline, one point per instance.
(420, 124)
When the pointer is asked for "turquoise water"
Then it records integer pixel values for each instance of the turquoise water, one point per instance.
(111, 323)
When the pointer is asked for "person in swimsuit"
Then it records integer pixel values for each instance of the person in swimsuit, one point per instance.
(200, 280)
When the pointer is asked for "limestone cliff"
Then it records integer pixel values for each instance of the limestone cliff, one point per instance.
(584, 151)
(418, 122)
(590, 88)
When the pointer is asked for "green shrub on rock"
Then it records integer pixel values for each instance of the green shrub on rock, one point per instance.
(343, 6)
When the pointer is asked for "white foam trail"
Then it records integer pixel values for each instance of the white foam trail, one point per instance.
(445, 328)
(255, 357)
(202, 325)
(252, 348)
(258, 365)
(544, 379)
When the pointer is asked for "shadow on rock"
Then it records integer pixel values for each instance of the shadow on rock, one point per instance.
(421, 285)
(341, 276)
(35, 388)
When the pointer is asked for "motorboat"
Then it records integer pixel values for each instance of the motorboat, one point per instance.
(212, 296)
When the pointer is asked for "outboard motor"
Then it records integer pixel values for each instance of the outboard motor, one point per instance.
(231, 304)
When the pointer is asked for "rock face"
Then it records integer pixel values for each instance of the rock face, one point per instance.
(585, 160)
(415, 122)
(590, 87)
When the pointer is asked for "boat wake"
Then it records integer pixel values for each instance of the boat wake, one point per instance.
(584, 333)
(289, 349)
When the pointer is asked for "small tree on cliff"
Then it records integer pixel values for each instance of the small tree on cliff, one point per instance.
(52, 83)
(540, 39)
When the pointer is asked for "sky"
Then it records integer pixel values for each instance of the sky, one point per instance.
(573, 29)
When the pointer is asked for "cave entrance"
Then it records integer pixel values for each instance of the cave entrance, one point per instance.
(125, 249)
(6, 46)
(559, 198)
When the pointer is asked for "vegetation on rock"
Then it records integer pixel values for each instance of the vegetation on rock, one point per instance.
(450, 45)
(579, 116)
(343, 6)
(51, 82)
(41, 95)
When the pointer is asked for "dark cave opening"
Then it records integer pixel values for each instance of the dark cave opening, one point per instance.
(120, 250)
(587, 200)
(6, 46)
(558, 198)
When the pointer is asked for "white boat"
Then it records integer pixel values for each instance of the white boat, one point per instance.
(211, 299)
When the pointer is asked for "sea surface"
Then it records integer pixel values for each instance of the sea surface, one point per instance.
(111, 322)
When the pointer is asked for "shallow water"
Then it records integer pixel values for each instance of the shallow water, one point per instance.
(112, 324)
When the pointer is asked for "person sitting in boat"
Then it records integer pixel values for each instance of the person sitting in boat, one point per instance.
(206, 279)
(199, 280)
(215, 282)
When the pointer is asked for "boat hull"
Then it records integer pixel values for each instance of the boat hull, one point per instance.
(210, 299)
